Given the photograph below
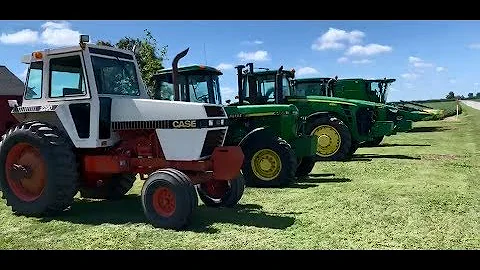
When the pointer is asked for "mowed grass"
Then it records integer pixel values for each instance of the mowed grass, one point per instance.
(417, 190)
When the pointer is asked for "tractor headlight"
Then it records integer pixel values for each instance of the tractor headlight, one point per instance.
(210, 123)
(222, 122)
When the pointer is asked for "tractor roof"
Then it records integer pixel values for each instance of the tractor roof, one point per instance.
(369, 80)
(323, 79)
(192, 69)
(99, 49)
(291, 73)
(10, 85)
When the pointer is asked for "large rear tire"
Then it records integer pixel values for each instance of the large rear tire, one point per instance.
(114, 188)
(334, 138)
(269, 163)
(167, 199)
(222, 193)
(305, 166)
(38, 169)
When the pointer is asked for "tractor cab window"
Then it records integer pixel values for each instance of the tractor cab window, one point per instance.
(266, 89)
(308, 89)
(115, 76)
(286, 86)
(66, 77)
(34, 81)
(198, 88)
(163, 89)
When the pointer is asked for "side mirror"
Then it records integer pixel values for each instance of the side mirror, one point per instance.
(13, 103)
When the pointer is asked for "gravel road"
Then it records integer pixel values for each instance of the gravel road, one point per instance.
(473, 104)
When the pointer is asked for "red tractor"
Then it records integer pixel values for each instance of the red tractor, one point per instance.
(87, 124)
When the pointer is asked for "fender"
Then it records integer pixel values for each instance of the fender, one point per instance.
(313, 115)
(261, 133)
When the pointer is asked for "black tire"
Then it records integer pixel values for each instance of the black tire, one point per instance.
(341, 152)
(305, 166)
(287, 158)
(353, 148)
(193, 191)
(114, 188)
(374, 142)
(230, 198)
(173, 182)
(55, 152)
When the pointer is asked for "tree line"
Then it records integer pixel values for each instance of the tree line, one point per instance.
(451, 95)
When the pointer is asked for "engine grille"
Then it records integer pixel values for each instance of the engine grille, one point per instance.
(213, 139)
(214, 111)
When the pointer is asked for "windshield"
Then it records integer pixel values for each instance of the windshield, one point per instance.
(200, 88)
(115, 76)
(380, 90)
(310, 89)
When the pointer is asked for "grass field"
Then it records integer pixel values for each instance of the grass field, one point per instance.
(417, 190)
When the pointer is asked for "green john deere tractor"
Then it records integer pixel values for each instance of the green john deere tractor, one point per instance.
(275, 149)
(340, 125)
(376, 90)
(328, 87)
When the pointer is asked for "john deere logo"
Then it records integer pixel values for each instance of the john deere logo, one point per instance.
(185, 124)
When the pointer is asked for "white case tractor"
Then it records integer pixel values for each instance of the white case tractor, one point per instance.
(87, 124)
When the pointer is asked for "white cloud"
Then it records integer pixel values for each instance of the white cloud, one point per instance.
(59, 34)
(440, 69)
(409, 76)
(253, 56)
(342, 60)
(53, 34)
(224, 66)
(422, 64)
(363, 61)
(419, 62)
(368, 50)
(306, 71)
(413, 59)
(474, 46)
(452, 81)
(334, 38)
(25, 36)
(255, 42)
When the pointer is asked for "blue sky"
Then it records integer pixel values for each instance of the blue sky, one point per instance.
(428, 58)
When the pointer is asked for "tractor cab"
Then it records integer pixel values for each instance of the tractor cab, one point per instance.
(314, 87)
(378, 89)
(264, 86)
(197, 83)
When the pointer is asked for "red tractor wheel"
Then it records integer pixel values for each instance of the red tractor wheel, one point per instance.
(38, 169)
(167, 199)
(222, 193)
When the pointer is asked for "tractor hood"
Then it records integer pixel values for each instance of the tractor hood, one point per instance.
(351, 102)
(127, 109)
(261, 110)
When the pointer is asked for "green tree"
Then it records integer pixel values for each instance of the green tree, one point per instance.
(451, 95)
(470, 95)
(478, 95)
(149, 56)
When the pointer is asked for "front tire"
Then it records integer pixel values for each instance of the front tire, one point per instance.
(222, 193)
(168, 199)
(334, 138)
(269, 163)
(38, 169)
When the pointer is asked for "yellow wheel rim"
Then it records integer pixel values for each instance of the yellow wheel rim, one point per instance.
(266, 164)
(329, 140)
